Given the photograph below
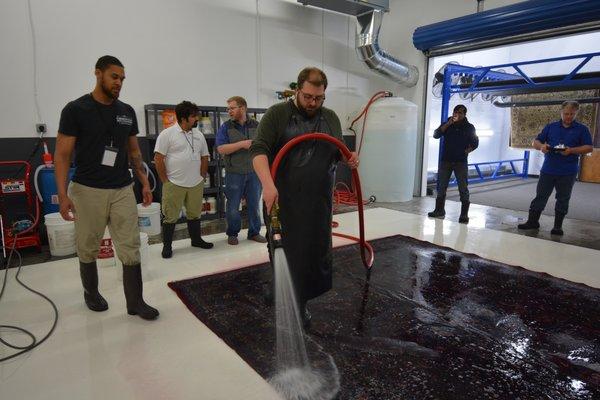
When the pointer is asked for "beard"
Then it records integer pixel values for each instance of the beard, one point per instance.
(309, 112)
(108, 92)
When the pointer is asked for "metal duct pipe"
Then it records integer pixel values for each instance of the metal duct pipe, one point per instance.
(367, 48)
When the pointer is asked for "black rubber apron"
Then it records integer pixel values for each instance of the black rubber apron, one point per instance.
(305, 181)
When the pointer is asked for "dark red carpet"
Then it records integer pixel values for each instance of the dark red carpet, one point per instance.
(430, 323)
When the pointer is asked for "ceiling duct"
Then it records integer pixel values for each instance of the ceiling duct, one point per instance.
(369, 15)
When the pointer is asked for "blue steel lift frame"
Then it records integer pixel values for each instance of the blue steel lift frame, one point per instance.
(481, 75)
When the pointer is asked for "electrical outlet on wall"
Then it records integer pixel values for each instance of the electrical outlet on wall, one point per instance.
(41, 129)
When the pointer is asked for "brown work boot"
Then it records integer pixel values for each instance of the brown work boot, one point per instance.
(258, 239)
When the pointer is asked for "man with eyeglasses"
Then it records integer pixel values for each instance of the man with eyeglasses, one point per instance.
(304, 185)
(561, 142)
(233, 141)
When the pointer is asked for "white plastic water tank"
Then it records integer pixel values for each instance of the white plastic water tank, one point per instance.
(387, 158)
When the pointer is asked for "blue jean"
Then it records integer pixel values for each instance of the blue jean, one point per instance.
(563, 185)
(248, 186)
(461, 171)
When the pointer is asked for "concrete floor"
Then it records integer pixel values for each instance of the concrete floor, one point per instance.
(577, 232)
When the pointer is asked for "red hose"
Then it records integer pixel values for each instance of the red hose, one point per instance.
(365, 112)
(364, 245)
(348, 197)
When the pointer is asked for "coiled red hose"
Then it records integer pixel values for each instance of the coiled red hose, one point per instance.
(364, 245)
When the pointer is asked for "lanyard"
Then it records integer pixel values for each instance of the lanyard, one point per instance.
(187, 140)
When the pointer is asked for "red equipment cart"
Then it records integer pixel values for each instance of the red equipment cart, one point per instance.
(19, 206)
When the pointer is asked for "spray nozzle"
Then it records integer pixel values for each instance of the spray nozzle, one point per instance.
(275, 216)
(275, 227)
(47, 157)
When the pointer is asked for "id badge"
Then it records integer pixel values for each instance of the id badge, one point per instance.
(110, 156)
(195, 156)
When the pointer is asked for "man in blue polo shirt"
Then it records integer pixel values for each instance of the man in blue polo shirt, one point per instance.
(233, 141)
(561, 142)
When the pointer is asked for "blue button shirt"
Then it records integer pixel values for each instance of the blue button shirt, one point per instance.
(223, 136)
(574, 136)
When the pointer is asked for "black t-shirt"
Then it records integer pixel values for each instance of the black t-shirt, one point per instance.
(96, 126)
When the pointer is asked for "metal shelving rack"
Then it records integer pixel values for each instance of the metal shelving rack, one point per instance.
(217, 115)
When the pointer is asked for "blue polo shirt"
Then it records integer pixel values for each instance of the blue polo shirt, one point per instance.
(574, 136)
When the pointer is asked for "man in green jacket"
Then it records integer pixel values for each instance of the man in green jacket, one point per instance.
(304, 184)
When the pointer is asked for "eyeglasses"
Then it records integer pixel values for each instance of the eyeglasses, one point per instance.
(309, 97)
(232, 108)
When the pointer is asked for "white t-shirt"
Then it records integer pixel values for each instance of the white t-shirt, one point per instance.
(182, 151)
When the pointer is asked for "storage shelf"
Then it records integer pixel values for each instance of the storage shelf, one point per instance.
(217, 115)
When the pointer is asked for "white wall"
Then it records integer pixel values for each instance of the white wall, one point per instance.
(209, 50)
(201, 50)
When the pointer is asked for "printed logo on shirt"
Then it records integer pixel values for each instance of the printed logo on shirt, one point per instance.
(124, 120)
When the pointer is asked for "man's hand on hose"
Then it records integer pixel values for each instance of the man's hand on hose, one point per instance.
(270, 196)
(352, 161)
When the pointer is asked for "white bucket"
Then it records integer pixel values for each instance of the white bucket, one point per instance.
(144, 246)
(61, 235)
(149, 218)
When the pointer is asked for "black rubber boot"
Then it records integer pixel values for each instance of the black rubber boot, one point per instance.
(196, 235)
(464, 212)
(167, 234)
(439, 211)
(89, 280)
(133, 287)
(558, 220)
(532, 220)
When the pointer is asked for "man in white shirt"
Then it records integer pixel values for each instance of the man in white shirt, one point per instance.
(181, 158)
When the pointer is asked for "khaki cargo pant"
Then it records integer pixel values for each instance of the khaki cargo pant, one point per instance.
(94, 210)
(173, 197)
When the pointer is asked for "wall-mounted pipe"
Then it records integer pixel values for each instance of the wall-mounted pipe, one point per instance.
(480, 5)
(368, 50)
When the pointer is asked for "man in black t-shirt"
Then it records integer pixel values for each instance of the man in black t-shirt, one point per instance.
(102, 131)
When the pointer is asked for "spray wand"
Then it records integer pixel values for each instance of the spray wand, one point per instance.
(275, 232)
